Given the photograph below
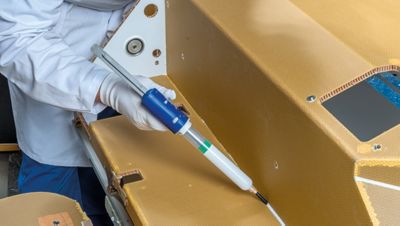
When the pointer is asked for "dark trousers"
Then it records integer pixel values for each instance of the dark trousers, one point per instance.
(78, 183)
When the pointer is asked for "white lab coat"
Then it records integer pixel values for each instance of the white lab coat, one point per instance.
(44, 52)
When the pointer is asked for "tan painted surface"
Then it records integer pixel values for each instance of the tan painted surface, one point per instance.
(383, 171)
(41, 208)
(369, 27)
(247, 68)
(180, 187)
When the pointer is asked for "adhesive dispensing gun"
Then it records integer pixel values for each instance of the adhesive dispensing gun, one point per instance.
(179, 123)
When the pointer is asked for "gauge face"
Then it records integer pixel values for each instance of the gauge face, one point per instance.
(369, 108)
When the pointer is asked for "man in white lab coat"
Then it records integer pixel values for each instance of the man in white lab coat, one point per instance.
(44, 52)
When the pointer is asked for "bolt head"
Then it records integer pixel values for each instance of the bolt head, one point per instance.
(135, 46)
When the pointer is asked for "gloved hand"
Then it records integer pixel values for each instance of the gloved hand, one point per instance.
(117, 94)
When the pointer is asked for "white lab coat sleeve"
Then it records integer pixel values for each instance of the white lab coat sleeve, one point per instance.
(37, 60)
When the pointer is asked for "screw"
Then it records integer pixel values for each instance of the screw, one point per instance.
(56, 223)
(135, 46)
(376, 147)
(311, 99)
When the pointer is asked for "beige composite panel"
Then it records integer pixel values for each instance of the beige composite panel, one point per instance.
(247, 68)
(179, 186)
(385, 203)
(41, 207)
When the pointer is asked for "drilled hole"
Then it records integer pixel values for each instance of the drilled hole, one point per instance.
(276, 165)
(150, 10)
(156, 53)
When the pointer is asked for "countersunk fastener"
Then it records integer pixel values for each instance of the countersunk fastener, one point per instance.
(311, 99)
(376, 147)
(135, 46)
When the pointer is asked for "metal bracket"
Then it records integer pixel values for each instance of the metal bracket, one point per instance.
(119, 180)
(139, 44)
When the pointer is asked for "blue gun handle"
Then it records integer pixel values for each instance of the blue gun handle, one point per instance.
(161, 108)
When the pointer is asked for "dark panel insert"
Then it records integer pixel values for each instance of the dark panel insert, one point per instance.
(369, 108)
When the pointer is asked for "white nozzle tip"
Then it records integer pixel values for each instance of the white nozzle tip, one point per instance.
(253, 190)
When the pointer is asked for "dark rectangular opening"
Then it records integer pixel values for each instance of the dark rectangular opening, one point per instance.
(369, 108)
